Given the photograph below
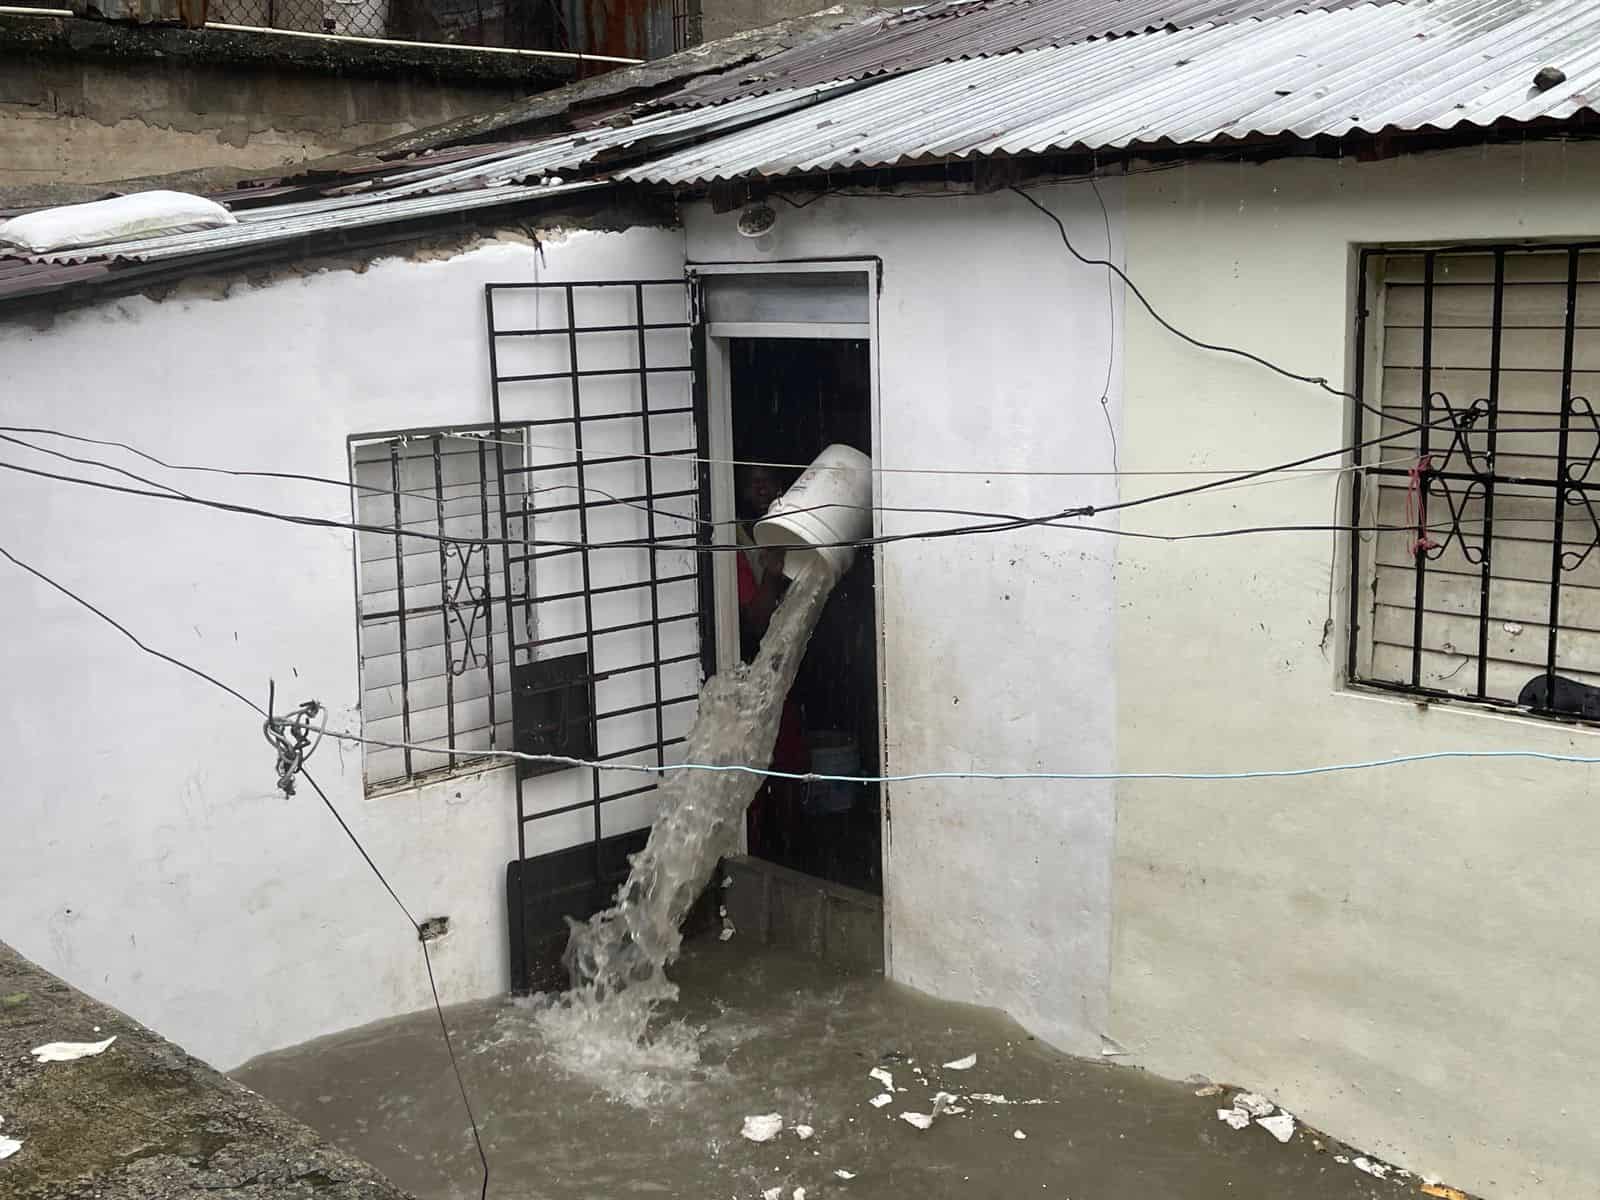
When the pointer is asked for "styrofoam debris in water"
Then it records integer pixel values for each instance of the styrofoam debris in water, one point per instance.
(1376, 1169)
(880, 1100)
(1210, 1089)
(1256, 1106)
(1235, 1118)
(772, 1194)
(762, 1128)
(841, 1173)
(993, 1098)
(962, 1064)
(882, 1076)
(804, 1132)
(69, 1051)
(9, 1146)
(920, 1120)
(727, 934)
(799, 1194)
(1019, 1135)
(1280, 1126)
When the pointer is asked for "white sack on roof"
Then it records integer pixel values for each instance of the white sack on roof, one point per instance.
(144, 214)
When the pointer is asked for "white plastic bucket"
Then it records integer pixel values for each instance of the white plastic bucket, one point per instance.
(831, 502)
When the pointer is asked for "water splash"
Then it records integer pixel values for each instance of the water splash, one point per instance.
(600, 1028)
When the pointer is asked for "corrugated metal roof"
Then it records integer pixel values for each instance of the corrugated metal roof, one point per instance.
(1433, 65)
(947, 32)
(570, 152)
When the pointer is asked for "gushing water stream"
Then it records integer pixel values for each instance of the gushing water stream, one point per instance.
(618, 958)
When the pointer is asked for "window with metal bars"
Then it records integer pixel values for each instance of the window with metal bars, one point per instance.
(1475, 575)
(434, 653)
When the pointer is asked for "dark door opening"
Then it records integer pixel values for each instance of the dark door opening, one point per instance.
(791, 397)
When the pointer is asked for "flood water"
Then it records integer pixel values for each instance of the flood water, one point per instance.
(757, 1031)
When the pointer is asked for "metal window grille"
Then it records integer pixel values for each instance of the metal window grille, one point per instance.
(434, 656)
(603, 584)
(1478, 578)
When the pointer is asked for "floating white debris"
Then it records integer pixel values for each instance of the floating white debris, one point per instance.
(1342, 1159)
(804, 1132)
(1019, 1135)
(1210, 1089)
(1376, 1169)
(772, 1194)
(762, 1128)
(1235, 1118)
(880, 1100)
(994, 1098)
(920, 1120)
(841, 1173)
(1256, 1106)
(882, 1076)
(799, 1194)
(727, 934)
(68, 1051)
(9, 1146)
(962, 1064)
(1280, 1126)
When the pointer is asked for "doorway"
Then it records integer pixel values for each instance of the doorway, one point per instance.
(789, 398)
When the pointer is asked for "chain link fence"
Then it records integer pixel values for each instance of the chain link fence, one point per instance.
(632, 28)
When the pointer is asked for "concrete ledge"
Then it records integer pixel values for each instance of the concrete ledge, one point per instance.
(781, 907)
(277, 52)
(143, 1120)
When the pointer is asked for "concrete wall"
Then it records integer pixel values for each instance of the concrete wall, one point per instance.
(146, 855)
(87, 102)
(724, 18)
(994, 352)
(1404, 957)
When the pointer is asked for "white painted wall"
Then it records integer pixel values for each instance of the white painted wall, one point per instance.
(1404, 957)
(993, 355)
(146, 856)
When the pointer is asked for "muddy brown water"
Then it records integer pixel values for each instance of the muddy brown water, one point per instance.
(569, 1111)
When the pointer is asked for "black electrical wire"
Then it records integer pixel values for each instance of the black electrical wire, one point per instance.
(1004, 524)
(1213, 347)
(438, 1007)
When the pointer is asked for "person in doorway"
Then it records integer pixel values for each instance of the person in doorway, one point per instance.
(775, 812)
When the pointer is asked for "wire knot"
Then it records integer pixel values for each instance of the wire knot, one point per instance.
(295, 737)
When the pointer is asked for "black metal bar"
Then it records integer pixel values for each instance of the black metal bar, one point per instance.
(545, 376)
(519, 906)
(592, 634)
(635, 709)
(615, 587)
(605, 461)
(1357, 476)
(621, 416)
(616, 754)
(650, 522)
(1570, 335)
(600, 462)
(400, 591)
(1497, 328)
(1419, 552)
(1572, 485)
(702, 431)
(591, 283)
(444, 599)
(583, 537)
(617, 672)
(527, 571)
(488, 587)
(593, 328)
(642, 501)
(567, 808)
